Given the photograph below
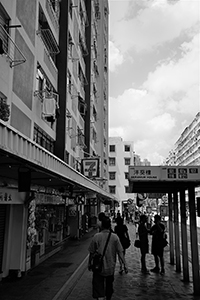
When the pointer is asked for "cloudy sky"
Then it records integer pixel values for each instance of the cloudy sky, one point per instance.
(154, 64)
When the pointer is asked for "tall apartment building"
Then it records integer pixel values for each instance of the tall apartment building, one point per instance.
(186, 150)
(121, 156)
(53, 113)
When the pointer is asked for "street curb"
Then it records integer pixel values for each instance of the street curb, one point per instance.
(69, 285)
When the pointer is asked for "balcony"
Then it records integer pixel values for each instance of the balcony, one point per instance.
(10, 49)
(52, 7)
(49, 40)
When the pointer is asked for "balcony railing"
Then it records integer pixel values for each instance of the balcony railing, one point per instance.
(10, 49)
(49, 40)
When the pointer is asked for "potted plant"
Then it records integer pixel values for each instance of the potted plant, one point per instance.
(4, 110)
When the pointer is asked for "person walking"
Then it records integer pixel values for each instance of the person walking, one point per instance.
(144, 242)
(122, 232)
(102, 282)
(158, 231)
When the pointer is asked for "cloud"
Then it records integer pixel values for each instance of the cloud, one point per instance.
(115, 57)
(155, 23)
(176, 82)
(154, 115)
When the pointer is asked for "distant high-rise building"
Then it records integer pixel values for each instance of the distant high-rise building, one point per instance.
(186, 149)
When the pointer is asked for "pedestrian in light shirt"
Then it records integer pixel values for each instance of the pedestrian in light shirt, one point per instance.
(103, 282)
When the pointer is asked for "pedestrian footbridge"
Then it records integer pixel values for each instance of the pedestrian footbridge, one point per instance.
(177, 182)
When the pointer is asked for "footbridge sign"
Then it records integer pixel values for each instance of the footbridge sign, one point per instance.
(164, 173)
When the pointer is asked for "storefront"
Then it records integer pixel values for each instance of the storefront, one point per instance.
(47, 226)
(13, 216)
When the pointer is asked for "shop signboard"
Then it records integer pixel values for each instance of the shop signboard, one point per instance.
(90, 167)
(168, 173)
(155, 195)
(11, 196)
(49, 199)
(129, 201)
(72, 211)
(164, 210)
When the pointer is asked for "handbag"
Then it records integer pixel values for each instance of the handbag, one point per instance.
(126, 242)
(137, 244)
(164, 243)
(97, 260)
(164, 240)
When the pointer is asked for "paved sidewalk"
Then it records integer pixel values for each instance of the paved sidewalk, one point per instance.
(64, 276)
(45, 281)
(137, 286)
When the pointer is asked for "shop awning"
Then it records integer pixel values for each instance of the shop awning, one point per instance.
(47, 170)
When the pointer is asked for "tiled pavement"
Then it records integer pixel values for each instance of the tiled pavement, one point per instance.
(64, 276)
(135, 285)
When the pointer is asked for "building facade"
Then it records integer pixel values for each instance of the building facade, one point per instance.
(51, 117)
(186, 150)
(121, 156)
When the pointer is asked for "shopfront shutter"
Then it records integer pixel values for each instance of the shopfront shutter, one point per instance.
(2, 231)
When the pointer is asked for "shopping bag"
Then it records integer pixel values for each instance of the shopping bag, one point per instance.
(137, 243)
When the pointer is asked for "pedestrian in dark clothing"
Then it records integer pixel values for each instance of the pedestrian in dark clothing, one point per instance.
(144, 242)
(157, 249)
(100, 218)
(122, 231)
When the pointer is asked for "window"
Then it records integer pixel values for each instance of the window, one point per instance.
(70, 8)
(112, 189)
(111, 161)
(4, 22)
(127, 190)
(126, 175)
(69, 82)
(43, 139)
(112, 175)
(70, 45)
(127, 148)
(82, 106)
(127, 161)
(94, 113)
(112, 148)
(94, 135)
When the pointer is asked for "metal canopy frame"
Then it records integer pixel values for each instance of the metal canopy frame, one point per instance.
(176, 188)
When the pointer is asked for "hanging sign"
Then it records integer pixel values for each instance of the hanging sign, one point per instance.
(90, 167)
